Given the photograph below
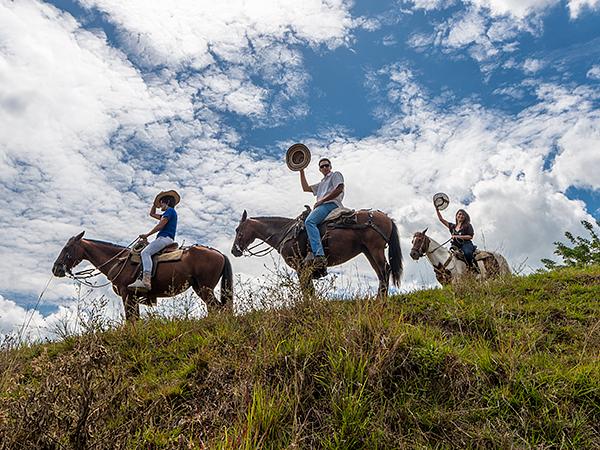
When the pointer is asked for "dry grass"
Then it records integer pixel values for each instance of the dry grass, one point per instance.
(505, 364)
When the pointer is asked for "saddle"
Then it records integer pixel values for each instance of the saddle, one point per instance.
(170, 253)
(339, 218)
(478, 255)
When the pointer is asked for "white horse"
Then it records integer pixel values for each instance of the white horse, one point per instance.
(448, 267)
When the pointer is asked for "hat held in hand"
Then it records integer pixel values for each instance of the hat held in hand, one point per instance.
(441, 201)
(162, 194)
(297, 157)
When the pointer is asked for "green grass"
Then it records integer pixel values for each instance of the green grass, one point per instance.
(513, 363)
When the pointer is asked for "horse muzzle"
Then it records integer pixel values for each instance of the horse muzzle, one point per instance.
(59, 270)
(236, 250)
(414, 254)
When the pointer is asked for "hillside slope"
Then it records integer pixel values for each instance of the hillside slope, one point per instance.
(513, 363)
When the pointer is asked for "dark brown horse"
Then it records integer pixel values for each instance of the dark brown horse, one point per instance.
(200, 267)
(373, 231)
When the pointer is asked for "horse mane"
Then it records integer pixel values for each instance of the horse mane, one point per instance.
(273, 218)
(106, 243)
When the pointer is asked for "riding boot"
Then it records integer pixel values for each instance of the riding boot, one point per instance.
(142, 284)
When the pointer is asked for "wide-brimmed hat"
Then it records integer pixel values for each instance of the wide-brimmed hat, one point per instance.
(441, 201)
(162, 194)
(297, 157)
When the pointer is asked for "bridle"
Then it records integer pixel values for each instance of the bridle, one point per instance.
(425, 244)
(264, 251)
(83, 275)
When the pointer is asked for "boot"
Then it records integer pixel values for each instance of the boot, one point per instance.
(142, 284)
(309, 259)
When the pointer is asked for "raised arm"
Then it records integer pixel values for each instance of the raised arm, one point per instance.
(305, 185)
(439, 214)
(153, 212)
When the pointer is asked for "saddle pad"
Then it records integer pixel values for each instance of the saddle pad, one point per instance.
(481, 254)
(337, 213)
(165, 257)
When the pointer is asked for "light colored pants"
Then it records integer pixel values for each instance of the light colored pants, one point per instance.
(312, 226)
(153, 247)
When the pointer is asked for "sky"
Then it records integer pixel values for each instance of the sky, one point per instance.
(104, 103)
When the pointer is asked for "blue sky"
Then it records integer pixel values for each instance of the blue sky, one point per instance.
(104, 103)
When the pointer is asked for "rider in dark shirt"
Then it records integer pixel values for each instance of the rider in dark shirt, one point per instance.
(462, 234)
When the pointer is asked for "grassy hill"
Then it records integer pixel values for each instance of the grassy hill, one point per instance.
(513, 363)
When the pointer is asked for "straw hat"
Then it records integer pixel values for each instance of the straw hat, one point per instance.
(441, 201)
(297, 157)
(162, 194)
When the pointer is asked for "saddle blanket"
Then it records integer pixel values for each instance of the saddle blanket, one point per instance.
(337, 213)
(163, 257)
(482, 254)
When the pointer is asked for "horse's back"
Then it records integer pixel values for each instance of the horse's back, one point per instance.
(495, 264)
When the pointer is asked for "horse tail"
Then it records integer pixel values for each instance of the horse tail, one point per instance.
(227, 284)
(395, 256)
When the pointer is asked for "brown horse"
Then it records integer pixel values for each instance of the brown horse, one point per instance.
(372, 232)
(200, 267)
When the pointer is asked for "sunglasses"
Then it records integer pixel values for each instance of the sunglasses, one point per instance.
(322, 166)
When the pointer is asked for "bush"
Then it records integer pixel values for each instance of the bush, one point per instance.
(583, 252)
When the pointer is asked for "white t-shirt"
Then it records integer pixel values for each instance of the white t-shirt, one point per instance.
(328, 184)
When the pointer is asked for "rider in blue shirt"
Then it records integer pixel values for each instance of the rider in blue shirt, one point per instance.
(166, 227)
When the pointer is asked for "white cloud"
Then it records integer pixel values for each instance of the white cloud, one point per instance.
(577, 6)
(87, 139)
(485, 38)
(516, 8)
(532, 65)
(191, 32)
(578, 162)
(593, 73)
(236, 42)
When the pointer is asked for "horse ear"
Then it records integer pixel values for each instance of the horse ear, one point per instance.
(79, 236)
(425, 230)
(244, 216)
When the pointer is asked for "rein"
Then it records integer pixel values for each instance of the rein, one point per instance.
(269, 248)
(262, 252)
(439, 246)
(83, 275)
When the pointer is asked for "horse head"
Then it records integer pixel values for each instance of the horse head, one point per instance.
(244, 235)
(420, 243)
(70, 256)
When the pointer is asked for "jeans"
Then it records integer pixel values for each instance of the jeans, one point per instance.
(153, 247)
(468, 249)
(312, 226)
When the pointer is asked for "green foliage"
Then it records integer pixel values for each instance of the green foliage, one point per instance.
(581, 252)
(511, 363)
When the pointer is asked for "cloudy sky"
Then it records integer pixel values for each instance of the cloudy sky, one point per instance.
(103, 103)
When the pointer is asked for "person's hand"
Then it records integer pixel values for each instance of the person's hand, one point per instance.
(143, 236)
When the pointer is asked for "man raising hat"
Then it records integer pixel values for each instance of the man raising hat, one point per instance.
(329, 192)
(166, 227)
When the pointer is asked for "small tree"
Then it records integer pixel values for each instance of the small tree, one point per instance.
(583, 252)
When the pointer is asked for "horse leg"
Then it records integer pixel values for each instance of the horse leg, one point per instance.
(208, 296)
(382, 269)
(306, 283)
(132, 307)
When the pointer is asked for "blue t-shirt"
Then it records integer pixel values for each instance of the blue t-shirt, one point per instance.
(171, 227)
